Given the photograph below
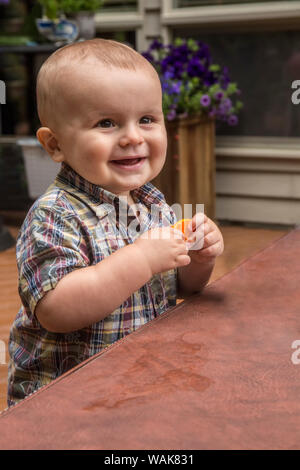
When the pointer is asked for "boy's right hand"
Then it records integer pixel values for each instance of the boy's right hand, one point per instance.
(164, 249)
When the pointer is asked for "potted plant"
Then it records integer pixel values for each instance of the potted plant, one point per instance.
(54, 25)
(196, 94)
(82, 11)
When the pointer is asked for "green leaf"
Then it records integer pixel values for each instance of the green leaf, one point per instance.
(53, 8)
(232, 88)
(214, 89)
(214, 68)
(191, 43)
(178, 42)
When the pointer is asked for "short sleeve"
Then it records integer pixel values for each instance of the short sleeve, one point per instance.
(51, 244)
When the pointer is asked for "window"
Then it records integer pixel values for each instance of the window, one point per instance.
(264, 64)
(127, 37)
(260, 45)
(198, 3)
(118, 6)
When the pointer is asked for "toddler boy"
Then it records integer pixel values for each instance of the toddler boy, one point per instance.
(86, 278)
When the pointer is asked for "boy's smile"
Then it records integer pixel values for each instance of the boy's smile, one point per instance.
(110, 126)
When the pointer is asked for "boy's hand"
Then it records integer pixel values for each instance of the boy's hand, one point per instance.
(204, 239)
(164, 248)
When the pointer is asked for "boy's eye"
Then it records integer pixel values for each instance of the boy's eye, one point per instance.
(146, 120)
(105, 123)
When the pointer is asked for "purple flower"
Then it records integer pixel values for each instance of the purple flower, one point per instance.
(185, 72)
(205, 100)
(166, 65)
(203, 51)
(232, 120)
(165, 87)
(209, 79)
(178, 69)
(169, 74)
(195, 68)
(219, 95)
(171, 88)
(225, 106)
(156, 45)
(183, 49)
(227, 102)
(176, 87)
(171, 115)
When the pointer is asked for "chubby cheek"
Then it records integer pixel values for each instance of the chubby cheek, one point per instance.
(94, 152)
(92, 147)
(159, 148)
(88, 159)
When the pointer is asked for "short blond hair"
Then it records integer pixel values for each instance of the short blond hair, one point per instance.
(111, 54)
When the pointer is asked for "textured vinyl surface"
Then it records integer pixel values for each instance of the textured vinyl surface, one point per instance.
(214, 372)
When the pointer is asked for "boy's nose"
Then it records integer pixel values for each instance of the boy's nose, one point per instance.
(131, 136)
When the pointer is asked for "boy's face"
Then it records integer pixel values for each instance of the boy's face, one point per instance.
(112, 130)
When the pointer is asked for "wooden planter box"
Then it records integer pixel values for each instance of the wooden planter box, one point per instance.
(188, 176)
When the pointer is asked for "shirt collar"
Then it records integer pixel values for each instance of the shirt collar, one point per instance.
(101, 200)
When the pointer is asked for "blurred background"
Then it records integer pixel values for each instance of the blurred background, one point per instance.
(257, 161)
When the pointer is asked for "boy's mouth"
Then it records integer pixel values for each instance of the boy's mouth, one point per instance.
(128, 162)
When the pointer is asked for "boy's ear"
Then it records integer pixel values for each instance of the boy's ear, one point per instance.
(50, 143)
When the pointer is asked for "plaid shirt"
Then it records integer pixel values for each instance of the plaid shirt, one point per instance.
(72, 226)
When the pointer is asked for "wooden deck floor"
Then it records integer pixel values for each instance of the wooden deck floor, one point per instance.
(240, 243)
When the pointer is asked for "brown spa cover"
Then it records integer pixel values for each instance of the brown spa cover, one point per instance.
(218, 371)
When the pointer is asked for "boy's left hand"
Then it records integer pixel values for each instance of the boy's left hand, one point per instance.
(205, 241)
